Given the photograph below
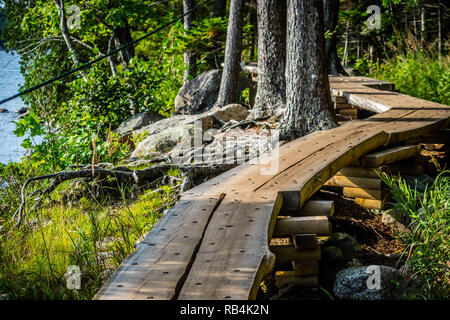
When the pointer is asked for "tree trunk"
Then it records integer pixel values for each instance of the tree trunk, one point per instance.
(112, 62)
(123, 36)
(271, 92)
(229, 86)
(189, 58)
(65, 31)
(345, 58)
(308, 106)
(331, 14)
(439, 28)
(422, 25)
(219, 8)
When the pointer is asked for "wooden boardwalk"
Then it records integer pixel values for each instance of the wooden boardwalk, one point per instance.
(214, 244)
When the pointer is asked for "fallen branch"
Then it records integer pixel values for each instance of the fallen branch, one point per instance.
(124, 175)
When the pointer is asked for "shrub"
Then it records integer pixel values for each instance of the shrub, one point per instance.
(428, 245)
(416, 74)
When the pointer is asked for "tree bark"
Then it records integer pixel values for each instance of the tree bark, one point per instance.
(439, 28)
(308, 106)
(331, 15)
(271, 92)
(229, 85)
(422, 25)
(189, 58)
(112, 62)
(123, 36)
(65, 31)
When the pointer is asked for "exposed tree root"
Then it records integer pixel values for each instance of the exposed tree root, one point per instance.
(192, 174)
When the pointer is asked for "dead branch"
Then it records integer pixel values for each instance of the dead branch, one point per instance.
(191, 174)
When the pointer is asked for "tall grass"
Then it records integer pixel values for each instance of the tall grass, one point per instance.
(417, 74)
(95, 235)
(428, 243)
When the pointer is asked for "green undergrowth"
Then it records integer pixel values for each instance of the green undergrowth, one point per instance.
(428, 243)
(93, 233)
(418, 74)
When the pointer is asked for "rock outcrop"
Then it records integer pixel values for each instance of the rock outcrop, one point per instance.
(177, 133)
(137, 122)
(200, 94)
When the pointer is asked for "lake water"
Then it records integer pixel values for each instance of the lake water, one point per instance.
(10, 79)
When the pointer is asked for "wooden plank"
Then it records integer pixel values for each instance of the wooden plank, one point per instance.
(373, 194)
(301, 225)
(339, 106)
(397, 168)
(369, 203)
(288, 253)
(283, 278)
(305, 268)
(407, 167)
(349, 112)
(291, 203)
(154, 270)
(390, 155)
(234, 255)
(355, 182)
(305, 241)
(435, 137)
(339, 99)
(317, 208)
(360, 172)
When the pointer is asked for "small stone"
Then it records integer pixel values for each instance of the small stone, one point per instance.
(387, 218)
(3, 111)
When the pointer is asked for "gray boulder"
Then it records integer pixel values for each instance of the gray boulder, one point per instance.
(230, 112)
(200, 94)
(138, 121)
(177, 132)
(165, 135)
(369, 283)
(165, 141)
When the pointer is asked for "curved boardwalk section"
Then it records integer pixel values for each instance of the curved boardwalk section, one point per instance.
(214, 244)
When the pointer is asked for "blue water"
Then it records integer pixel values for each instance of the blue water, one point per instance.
(10, 79)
